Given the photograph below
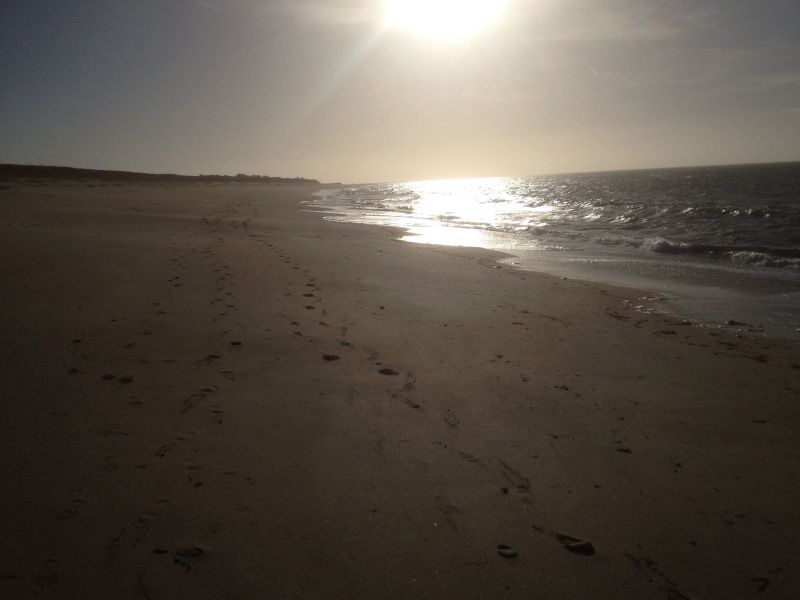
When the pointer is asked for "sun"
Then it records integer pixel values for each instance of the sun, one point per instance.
(443, 19)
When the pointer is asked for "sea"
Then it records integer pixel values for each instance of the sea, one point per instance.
(716, 245)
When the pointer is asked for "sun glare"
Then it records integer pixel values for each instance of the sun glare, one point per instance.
(443, 19)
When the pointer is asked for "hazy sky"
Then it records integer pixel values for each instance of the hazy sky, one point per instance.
(322, 88)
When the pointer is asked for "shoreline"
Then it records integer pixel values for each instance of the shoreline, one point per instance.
(705, 305)
(212, 393)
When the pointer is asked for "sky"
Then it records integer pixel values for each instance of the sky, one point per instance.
(327, 89)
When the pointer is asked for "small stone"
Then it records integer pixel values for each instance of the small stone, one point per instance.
(576, 546)
(386, 371)
(507, 551)
(581, 547)
(236, 343)
(329, 357)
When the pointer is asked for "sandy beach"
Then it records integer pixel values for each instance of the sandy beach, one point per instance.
(209, 392)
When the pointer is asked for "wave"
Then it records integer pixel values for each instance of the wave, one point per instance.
(664, 246)
(762, 257)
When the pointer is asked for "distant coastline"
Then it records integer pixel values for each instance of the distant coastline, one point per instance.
(16, 172)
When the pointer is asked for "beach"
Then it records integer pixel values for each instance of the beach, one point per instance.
(211, 392)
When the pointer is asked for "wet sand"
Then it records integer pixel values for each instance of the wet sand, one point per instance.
(210, 393)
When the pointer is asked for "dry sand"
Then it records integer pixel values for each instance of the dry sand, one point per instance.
(171, 427)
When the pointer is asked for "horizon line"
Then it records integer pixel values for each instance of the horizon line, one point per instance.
(244, 176)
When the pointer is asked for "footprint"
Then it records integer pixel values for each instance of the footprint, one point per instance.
(185, 557)
(470, 458)
(448, 510)
(410, 383)
(409, 402)
(451, 419)
(165, 449)
(515, 478)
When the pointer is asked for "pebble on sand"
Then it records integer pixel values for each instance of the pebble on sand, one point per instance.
(576, 545)
(507, 551)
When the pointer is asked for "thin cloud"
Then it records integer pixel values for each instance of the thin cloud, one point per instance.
(768, 82)
(579, 21)
(336, 12)
(208, 5)
(668, 82)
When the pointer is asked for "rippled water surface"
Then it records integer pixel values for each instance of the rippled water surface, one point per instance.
(724, 241)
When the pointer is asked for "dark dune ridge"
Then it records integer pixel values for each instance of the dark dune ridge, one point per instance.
(10, 172)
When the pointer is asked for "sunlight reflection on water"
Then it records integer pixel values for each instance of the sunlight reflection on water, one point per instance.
(443, 235)
(456, 212)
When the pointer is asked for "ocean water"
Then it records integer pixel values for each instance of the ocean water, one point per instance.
(715, 244)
